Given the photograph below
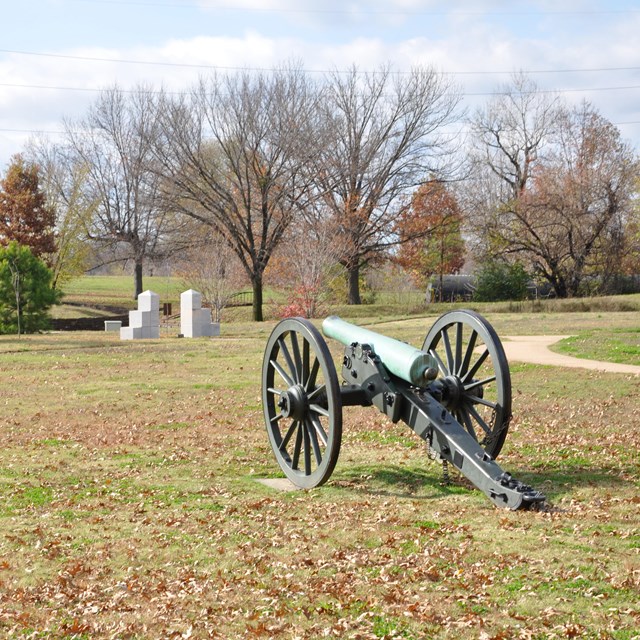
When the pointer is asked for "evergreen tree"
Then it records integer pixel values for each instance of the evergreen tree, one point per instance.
(26, 294)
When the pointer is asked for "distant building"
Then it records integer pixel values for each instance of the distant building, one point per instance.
(451, 288)
(460, 288)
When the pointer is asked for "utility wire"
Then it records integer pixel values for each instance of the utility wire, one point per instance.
(462, 94)
(80, 132)
(213, 6)
(236, 68)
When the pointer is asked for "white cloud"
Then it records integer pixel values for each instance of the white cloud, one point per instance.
(460, 42)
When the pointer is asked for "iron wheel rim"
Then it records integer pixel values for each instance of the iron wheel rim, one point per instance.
(301, 402)
(474, 376)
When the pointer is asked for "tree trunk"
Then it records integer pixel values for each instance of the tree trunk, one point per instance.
(15, 280)
(560, 287)
(353, 285)
(256, 282)
(137, 280)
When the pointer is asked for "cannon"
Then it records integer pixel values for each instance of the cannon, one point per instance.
(454, 392)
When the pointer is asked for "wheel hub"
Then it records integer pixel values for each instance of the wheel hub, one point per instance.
(293, 403)
(452, 392)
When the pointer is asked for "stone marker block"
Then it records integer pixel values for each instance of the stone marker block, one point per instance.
(190, 299)
(202, 316)
(144, 322)
(152, 332)
(131, 333)
(195, 322)
(112, 325)
(148, 301)
(144, 318)
(211, 330)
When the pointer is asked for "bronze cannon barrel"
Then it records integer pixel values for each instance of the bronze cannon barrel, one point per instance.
(412, 365)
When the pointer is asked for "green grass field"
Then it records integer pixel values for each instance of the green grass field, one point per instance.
(117, 291)
(131, 508)
(89, 295)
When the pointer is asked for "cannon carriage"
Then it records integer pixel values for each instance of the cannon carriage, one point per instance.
(454, 392)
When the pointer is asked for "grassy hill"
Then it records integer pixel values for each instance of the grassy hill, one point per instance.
(104, 296)
(117, 292)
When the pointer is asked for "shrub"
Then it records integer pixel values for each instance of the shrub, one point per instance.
(501, 281)
(302, 302)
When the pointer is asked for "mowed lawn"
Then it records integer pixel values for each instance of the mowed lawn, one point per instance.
(131, 508)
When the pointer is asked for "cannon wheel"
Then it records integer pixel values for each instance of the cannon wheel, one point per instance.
(474, 376)
(301, 401)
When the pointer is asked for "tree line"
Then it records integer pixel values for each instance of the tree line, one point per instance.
(292, 177)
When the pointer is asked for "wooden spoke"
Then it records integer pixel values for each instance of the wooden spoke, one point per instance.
(316, 408)
(480, 420)
(468, 353)
(282, 372)
(316, 392)
(287, 358)
(442, 368)
(479, 383)
(313, 374)
(458, 361)
(447, 348)
(299, 372)
(313, 437)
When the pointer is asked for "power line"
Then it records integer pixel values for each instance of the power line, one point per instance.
(591, 70)
(236, 68)
(463, 94)
(61, 132)
(124, 61)
(364, 11)
(39, 86)
(527, 93)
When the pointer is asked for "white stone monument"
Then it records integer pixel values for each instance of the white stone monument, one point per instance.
(195, 322)
(145, 321)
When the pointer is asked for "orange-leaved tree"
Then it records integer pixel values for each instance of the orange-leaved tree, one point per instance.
(431, 234)
(25, 215)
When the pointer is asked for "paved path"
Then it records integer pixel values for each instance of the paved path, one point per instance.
(535, 350)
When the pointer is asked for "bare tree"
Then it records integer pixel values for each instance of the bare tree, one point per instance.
(384, 136)
(114, 144)
(63, 182)
(508, 139)
(306, 265)
(569, 222)
(233, 156)
(509, 134)
(550, 186)
(210, 266)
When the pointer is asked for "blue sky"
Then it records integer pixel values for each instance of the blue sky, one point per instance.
(56, 55)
